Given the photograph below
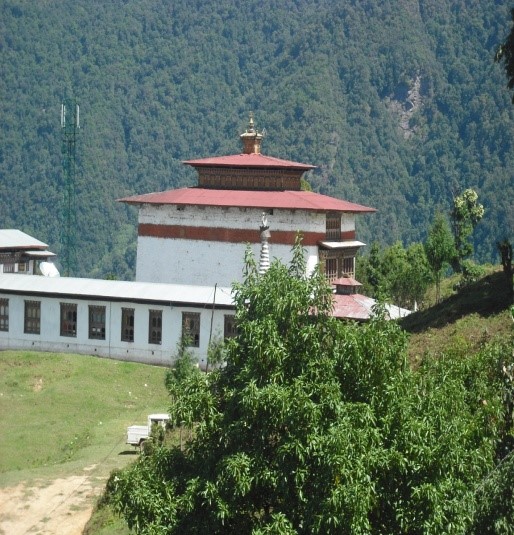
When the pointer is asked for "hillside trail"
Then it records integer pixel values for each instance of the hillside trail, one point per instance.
(57, 507)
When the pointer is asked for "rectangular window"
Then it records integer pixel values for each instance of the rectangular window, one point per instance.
(9, 267)
(230, 328)
(333, 227)
(32, 323)
(191, 328)
(155, 327)
(348, 266)
(68, 319)
(127, 324)
(4, 314)
(96, 322)
(331, 268)
(23, 267)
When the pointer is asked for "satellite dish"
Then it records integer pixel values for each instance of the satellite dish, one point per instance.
(48, 269)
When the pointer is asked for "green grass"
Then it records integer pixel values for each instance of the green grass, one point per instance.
(466, 318)
(63, 412)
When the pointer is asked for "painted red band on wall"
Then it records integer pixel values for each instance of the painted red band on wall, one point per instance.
(230, 235)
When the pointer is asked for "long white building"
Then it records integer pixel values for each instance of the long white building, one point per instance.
(134, 321)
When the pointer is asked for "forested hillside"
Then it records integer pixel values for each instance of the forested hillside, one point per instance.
(398, 103)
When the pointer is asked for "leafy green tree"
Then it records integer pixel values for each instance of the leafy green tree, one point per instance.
(465, 215)
(417, 275)
(315, 426)
(439, 249)
(396, 273)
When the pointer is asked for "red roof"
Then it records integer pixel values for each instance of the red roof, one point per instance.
(354, 306)
(359, 307)
(346, 281)
(249, 160)
(292, 200)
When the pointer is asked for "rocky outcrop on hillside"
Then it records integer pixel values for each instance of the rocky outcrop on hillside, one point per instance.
(405, 103)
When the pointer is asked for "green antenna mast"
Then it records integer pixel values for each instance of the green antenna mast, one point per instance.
(70, 124)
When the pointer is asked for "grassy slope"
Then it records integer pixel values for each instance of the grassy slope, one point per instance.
(66, 412)
(471, 317)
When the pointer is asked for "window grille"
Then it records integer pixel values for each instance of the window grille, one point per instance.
(155, 327)
(333, 227)
(32, 322)
(191, 328)
(230, 327)
(68, 319)
(97, 322)
(4, 314)
(127, 324)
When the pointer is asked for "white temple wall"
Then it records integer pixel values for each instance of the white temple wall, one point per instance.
(140, 350)
(206, 262)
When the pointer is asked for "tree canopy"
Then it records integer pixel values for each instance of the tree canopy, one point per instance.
(318, 426)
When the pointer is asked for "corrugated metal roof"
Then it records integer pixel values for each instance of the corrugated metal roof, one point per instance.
(292, 200)
(115, 290)
(359, 307)
(249, 160)
(16, 239)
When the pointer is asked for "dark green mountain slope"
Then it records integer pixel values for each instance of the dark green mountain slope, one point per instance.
(398, 103)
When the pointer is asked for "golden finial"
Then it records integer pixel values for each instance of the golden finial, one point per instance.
(250, 123)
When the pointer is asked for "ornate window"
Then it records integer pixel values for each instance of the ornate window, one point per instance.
(191, 328)
(97, 322)
(335, 265)
(333, 227)
(68, 319)
(155, 327)
(32, 321)
(127, 324)
(4, 314)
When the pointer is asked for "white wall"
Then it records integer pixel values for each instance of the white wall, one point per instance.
(204, 263)
(197, 262)
(238, 218)
(140, 350)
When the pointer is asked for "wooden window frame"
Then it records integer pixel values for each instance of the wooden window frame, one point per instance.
(127, 324)
(32, 317)
(69, 320)
(191, 328)
(229, 326)
(96, 328)
(348, 266)
(337, 265)
(4, 315)
(333, 227)
(155, 327)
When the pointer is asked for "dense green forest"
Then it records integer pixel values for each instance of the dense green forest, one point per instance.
(399, 104)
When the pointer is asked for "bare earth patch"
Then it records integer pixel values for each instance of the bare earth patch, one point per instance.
(62, 507)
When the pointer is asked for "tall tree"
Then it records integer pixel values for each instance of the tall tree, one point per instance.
(317, 427)
(465, 215)
(439, 249)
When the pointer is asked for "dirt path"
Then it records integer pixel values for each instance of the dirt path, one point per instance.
(60, 508)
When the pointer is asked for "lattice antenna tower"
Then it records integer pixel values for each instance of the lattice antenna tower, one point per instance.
(70, 125)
